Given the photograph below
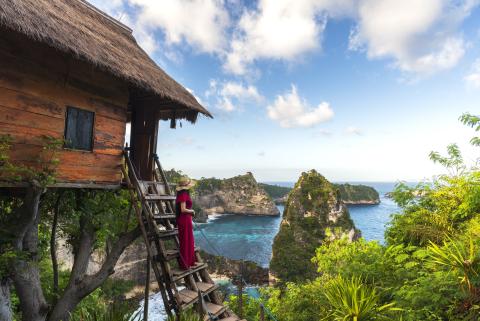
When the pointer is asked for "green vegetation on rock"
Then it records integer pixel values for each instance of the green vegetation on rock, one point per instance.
(358, 194)
(312, 213)
(275, 191)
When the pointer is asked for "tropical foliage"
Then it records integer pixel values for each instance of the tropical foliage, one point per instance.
(428, 268)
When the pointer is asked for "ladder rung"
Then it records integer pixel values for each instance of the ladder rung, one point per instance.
(163, 233)
(164, 217)
(172, 254)
(215, 310)
(180, 274)
(154, 197)
(189, 297)
(206, 287)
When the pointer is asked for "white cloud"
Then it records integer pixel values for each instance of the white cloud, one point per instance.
(473, 78)
(201, 24)
(418, 37)
(421, 36)
(277, 29)
(352, 130)
(322, 132)
(290, 110)
(230, 95)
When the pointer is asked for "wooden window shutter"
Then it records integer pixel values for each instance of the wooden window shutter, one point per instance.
(79, 129)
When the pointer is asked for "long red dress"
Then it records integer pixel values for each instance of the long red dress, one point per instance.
(185, 232)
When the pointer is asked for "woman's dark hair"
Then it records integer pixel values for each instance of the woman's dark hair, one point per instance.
(178, 209)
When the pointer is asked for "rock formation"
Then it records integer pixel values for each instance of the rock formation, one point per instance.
(358, 194)
(313, 212)
(237, 195)
(349, 194)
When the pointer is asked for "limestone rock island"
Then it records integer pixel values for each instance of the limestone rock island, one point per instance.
(313, 211)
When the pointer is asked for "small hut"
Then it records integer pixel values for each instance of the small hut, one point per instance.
(70, 71)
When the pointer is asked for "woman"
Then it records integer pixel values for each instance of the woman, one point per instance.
(184, 223)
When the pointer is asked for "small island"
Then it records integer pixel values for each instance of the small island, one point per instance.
(349, 194)
(358, 194)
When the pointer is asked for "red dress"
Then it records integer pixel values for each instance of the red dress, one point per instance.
(185, 232)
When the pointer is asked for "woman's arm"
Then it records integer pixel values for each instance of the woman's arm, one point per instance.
(184, 209)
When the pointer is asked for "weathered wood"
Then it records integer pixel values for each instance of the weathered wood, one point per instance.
(30, 103)
(27, 135)
(30, 120)
(88, 173)
(143, 141)
(71, 72)
(37, 83)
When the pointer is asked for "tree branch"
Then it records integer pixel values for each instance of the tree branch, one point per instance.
(53, 246)
(76, 291)
(83, 250)
(91, 282)
(23, 217)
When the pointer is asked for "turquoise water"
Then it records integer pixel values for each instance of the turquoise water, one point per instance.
(251, 237)
(371, 219)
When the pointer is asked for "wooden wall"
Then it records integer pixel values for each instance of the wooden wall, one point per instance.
(36, 84)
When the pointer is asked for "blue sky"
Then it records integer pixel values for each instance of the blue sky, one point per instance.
(359, 90)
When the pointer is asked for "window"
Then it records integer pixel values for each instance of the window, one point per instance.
(79, 129)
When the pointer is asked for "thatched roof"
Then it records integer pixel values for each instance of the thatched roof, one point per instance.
(78, 28)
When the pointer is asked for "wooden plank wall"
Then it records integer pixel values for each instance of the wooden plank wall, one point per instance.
(36, 84)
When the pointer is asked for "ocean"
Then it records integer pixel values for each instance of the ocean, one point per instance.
(251, 237)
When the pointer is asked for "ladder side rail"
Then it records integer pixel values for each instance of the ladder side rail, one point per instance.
(160, 249)
(162, 174)
(163, 179)
(167, 275)
(138, 213)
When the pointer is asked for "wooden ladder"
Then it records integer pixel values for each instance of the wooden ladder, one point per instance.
(154, 205)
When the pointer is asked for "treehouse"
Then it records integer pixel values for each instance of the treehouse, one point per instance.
(71, 72)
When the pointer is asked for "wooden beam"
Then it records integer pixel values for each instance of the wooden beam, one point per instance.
(90, 185)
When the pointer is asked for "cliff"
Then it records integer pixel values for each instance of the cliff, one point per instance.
(313, 212)
(237, 195)
(252, 273)
(358, 194)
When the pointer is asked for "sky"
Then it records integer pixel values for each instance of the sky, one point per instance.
(360, 90)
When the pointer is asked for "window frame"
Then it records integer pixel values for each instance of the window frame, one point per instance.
(92, 138)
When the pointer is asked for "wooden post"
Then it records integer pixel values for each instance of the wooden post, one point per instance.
(262, 313)
(200, 304)
(147, 291)
(143, 140)
(240, 298)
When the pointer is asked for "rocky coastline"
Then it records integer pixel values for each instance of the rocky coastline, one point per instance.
(240, 195)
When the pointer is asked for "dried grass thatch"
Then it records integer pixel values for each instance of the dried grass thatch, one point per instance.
(78, 28)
